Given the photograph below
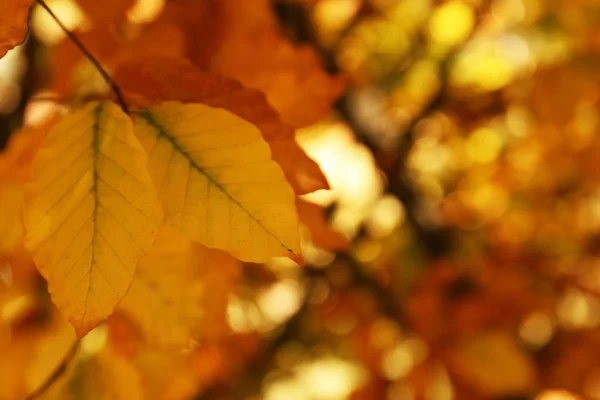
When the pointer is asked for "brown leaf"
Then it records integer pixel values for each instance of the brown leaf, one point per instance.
(159, 79)
(13, 23)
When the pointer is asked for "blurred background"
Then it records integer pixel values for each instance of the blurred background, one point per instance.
(456, 256)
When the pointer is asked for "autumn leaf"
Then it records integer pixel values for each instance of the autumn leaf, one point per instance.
(254, 51)
(72, 73)
(243, 40)
(160, 79)
(321, 234)
(90, 212)
(178, 289)
(106, 12)
(13, 23)
(217, 181)
(21, 149)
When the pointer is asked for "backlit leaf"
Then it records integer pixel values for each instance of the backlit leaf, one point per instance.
(217, 181)
(160, 79)
(90, 212)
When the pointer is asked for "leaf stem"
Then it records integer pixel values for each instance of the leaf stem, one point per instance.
(107, 78)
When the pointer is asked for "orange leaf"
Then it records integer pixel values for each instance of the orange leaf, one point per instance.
(242, 39)
(254, 51)
(13, 23)
(321, 234)
(110, 47)
(200, 20)
(161, 79)
(107, 11)
(16, 158)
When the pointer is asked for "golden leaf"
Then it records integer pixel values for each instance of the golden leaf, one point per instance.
(90, 212)
(217, 181)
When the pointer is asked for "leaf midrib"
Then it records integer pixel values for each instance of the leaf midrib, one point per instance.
(150, 120)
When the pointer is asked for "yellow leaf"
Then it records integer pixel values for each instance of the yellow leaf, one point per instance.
(217, 181)
(90, 212)
(174, 291)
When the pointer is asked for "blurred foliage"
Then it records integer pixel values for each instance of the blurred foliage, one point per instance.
(456, 256)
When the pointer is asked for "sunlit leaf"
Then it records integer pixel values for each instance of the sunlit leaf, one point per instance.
(90, 212)
(217, 181)
(161, 79)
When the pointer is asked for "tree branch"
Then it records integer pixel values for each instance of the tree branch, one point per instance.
(107, 78)
(57, 373)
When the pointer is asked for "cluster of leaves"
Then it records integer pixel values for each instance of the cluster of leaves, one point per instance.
(144, 205)
(156, 220)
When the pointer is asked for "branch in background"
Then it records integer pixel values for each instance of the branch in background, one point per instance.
(73, 38)
(57, 373)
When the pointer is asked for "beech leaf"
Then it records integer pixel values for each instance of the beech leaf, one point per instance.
(90, 212)
(217, 181)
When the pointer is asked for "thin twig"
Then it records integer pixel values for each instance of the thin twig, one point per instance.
(57, 373)
(107, 78)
